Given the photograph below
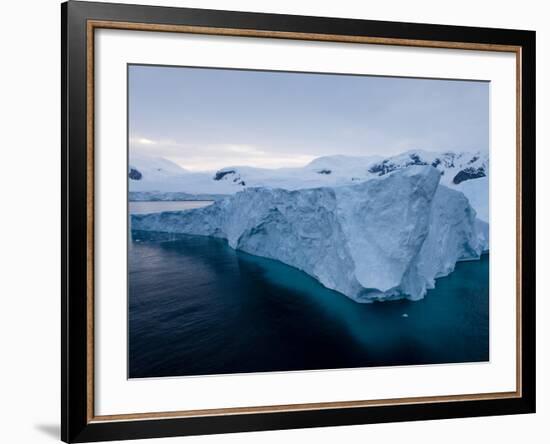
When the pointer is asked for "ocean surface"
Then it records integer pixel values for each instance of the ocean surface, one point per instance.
(158, 206)
(198, 307)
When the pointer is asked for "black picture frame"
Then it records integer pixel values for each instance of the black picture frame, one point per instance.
(77, 425)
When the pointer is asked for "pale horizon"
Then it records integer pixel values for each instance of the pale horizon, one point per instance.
(297, 161)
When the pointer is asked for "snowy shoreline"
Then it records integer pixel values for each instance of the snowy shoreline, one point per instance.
(160, 179)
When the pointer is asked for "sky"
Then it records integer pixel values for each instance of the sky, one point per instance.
(205, 118)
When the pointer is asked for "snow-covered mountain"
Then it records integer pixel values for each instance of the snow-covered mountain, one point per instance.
(323, 171)
(454, 167)
(466, 172)
(158, 175)
(384, 238)
(152, 168)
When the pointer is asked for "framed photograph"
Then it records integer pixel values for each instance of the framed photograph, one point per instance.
(275, 221)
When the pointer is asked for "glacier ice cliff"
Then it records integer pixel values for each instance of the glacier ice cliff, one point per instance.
(385, 238)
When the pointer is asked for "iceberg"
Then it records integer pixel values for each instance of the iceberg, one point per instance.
(386, 238)
(477, 192)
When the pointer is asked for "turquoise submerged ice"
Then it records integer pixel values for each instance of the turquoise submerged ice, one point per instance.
(386, 238)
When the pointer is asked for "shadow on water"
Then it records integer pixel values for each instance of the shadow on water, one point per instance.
(196, 306)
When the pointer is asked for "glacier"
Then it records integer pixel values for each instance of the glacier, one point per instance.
(385, 238)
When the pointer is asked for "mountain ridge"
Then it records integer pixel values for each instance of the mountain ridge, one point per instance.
(464, 171)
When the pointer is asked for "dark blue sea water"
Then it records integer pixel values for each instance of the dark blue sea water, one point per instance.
(198, 307)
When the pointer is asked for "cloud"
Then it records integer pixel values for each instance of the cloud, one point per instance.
(216, 156)
(210, 157)
(243, 149)
(142, 141)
